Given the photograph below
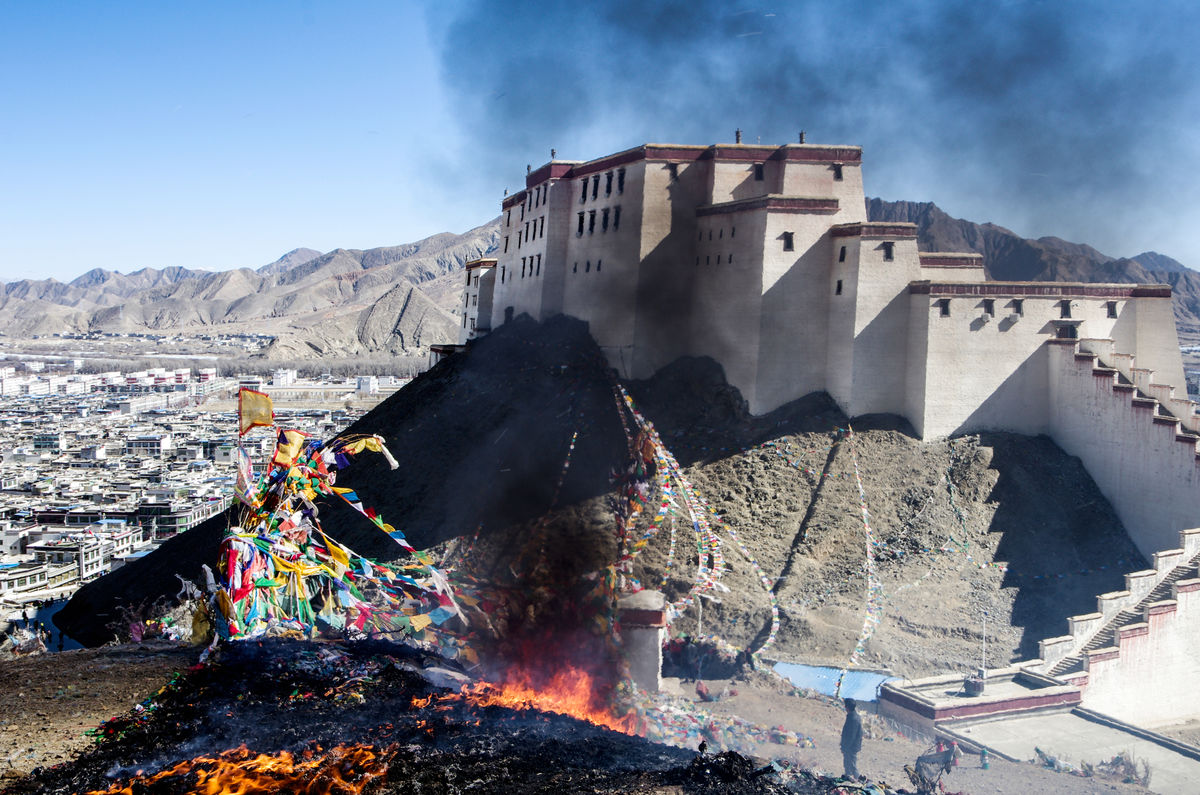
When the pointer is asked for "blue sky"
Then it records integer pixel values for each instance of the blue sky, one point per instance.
(221, 135)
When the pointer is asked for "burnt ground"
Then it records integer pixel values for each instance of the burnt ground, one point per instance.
(306, 698)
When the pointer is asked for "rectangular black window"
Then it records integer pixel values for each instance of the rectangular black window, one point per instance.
(789, 241)
(508, 218)
(468, 280)
(1018, 306)
(522, 267)
(1112, 308)
(838, 289)
(621, 181)
(1064, 308)
(1067, 332)
(944, 307)
(889, 251)
(506, 244)
(616, 217)
(502, 269)
(989, 306)
(837, 172)
(543, 230)
(604, 220)
(842, 254)
(583, 194)
(608, 184)
(595, 186)
(464, 320)
(522, 218)
(732, 231)
(539, 265)
(591, 221)
(579, 231)
(758, 172)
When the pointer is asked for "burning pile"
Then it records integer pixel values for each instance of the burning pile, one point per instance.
(363, 717)
(343, 770)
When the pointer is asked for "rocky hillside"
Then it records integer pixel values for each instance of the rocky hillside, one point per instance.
(1008, 257)
(1001, 529)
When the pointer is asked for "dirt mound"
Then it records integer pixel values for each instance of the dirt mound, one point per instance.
(512, 448)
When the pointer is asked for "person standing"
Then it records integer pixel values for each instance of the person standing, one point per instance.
(851, 739)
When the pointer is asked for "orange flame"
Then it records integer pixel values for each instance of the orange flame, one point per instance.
(570, 691)
(344, 770)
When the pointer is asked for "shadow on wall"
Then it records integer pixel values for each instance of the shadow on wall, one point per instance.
(880, 365)
(794, 318)
(1062, 540)
(666, 280)
(1019, 402)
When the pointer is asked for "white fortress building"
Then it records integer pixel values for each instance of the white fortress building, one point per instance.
(762, 258)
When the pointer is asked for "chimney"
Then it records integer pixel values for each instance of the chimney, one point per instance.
(553, 154)
(802, 136)
(528, 169)
(737, 136)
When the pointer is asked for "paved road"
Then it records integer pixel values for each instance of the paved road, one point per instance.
(1075, 739)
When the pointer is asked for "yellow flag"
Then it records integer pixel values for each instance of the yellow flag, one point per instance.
(287, 447)
(254, 410)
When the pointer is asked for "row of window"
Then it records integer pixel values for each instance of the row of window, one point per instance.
(604, 219)
(1017, 305)
(608, 185)
(720, 233)
(708, 259)
(888, 248)
(531, 265)
(533, 229)
(538, 197)
(532, 201)
(760, 172)
(587, 266)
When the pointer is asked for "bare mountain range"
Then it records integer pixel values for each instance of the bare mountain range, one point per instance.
(400, 299)
(395, 299)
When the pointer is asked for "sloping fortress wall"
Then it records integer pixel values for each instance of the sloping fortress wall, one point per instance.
(762, 258)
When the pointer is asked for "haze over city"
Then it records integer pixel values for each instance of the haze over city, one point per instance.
(221, 136)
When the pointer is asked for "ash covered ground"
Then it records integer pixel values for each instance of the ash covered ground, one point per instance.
(317, 701)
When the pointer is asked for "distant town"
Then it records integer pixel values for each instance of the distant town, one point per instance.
(100, 467)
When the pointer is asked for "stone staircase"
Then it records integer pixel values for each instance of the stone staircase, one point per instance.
(1138, 381)
(1122, 611)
